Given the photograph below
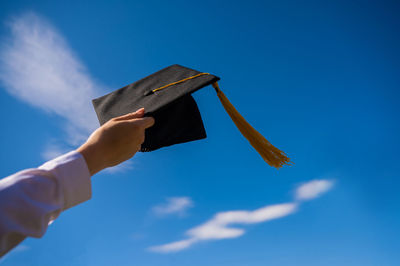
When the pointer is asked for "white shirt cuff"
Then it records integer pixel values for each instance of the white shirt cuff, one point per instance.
(73, 174)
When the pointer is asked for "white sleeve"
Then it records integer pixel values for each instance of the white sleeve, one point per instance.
(32, 198)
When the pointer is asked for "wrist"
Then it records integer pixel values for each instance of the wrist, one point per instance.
(90, 155)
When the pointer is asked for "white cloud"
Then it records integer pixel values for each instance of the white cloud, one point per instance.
(38, 67)
(313, 189)
(53, 150)
(174, 205)
(174, 246)
(12, 252)
(218, 226)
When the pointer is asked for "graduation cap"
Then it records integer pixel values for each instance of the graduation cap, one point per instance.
(166, 96)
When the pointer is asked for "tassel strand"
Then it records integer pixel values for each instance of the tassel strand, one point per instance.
(272, 155)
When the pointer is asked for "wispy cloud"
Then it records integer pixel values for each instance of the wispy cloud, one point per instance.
(313, 189)
(174, 246)
(220, 225)
(38, 67)
(173, 205)
(53, 149)
(18, 249)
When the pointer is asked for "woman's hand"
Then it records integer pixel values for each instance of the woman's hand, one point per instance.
(115, 141)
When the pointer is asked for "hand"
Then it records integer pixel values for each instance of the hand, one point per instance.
(115, 141)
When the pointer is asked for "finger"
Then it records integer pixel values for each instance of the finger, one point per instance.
(144, 122)
(138, 114)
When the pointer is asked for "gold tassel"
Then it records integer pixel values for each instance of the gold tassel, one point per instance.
(272, 155)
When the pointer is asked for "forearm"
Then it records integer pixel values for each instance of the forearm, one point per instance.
(30, 199)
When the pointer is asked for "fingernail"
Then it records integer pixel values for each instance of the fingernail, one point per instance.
(141, 110)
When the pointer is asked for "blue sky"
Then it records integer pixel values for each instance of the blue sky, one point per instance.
(318, 78)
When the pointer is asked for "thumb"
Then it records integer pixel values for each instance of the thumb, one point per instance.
(138, 114)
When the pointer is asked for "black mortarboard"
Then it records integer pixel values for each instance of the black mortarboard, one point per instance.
(166, 96)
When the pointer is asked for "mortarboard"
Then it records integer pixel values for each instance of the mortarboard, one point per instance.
(166, 96)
